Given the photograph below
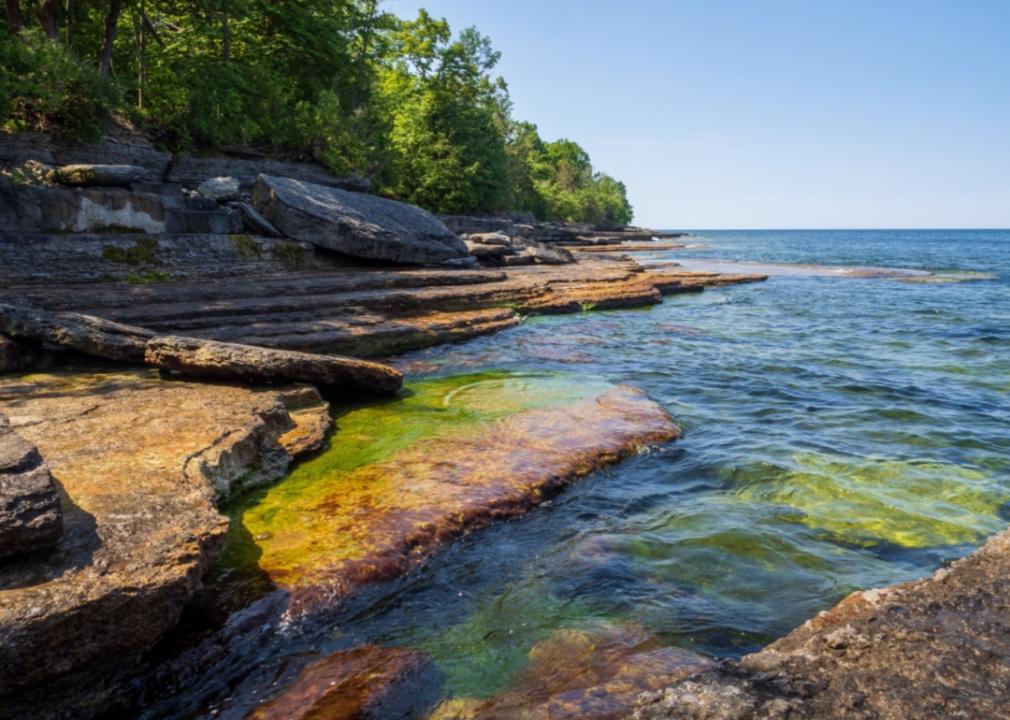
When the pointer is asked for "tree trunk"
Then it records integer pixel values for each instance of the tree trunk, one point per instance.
(111, 21)
(225, 37)
(14, 16)
(49, 15)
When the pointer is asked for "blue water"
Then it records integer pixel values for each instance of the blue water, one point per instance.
(840, 433)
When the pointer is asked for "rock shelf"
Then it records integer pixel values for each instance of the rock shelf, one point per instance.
(141, 464)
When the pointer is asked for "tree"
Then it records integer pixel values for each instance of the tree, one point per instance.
(406, 102)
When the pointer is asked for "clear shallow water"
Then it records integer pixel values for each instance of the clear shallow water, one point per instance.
(841, 433)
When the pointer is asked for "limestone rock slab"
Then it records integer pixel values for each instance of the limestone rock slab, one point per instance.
(142, 463)
(356, 224)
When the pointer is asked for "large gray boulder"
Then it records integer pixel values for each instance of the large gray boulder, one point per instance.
(356, 224)
(219, 188)
(30, 515)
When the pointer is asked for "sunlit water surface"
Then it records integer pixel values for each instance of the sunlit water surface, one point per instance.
(840, 433)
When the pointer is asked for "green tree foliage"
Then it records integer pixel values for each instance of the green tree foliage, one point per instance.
(405, 102)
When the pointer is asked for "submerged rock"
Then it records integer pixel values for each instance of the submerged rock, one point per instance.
(364, 683)
(143, 463)
(596, 674)
(364, 226)
(933, 648)
(30, 516)
(323, 539)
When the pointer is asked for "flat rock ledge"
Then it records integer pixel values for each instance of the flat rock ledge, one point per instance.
(195, 356)
(933, 648)
(143, 464)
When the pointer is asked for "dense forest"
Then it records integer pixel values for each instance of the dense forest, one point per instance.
(407, 103)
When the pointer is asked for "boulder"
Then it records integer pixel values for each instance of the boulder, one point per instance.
(219, 188)
(208, 358)
(492, 238)
(355, 224)
(549, 256)
(85, 174)
(485, 252)
(30, 515)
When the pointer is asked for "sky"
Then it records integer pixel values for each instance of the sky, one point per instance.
(769, 113)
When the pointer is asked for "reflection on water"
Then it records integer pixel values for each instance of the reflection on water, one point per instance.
(840, 434)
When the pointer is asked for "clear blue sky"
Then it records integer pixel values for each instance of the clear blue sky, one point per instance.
(769, 113)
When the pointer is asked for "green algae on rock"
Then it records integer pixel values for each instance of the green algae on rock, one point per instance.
(911, 503)
(595, 672)
(403, 477)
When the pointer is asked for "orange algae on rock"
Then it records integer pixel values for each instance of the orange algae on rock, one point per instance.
(367, 681)
(402, 479)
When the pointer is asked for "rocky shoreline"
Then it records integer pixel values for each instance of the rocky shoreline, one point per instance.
(173, 328)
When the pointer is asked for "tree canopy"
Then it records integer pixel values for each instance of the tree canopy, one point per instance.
(408, 103)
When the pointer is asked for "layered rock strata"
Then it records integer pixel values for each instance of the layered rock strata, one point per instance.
(196, 357)
(142, 464)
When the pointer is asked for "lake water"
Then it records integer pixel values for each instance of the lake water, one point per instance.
(840, 433)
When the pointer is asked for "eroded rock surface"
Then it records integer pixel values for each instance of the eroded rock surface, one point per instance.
(934, 648)
(142, 463)
(30, 516)
(355, 224)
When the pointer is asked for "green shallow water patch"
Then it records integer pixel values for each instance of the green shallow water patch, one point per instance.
(873, 500)
(313, 516)
(482, 654)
